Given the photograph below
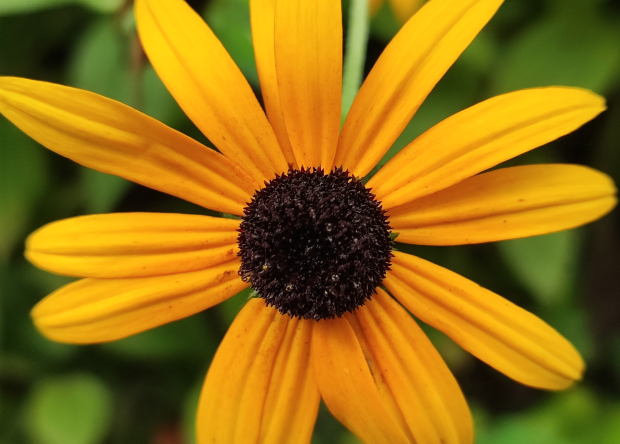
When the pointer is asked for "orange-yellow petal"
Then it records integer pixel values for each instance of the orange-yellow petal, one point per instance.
(404, 75)
(260, 387)
(127, 245)
(507, 203)
(209, 87)
(347, 385)
(481, 137)
(108, 136)
(503, 335)
(403, 9)
(381, 377)
(262, 13)
(101, 310)
(424, 390)
(308, 56)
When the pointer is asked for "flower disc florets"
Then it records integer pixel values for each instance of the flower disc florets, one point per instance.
(314, 245)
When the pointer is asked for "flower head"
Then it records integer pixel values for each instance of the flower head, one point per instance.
(314, 245)
(313, 241)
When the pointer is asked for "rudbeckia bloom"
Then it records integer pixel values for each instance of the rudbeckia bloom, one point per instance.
(330, 320)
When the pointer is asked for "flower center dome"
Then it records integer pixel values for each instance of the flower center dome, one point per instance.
(314, 245)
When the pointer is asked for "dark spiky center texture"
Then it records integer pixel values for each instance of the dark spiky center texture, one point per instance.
(314, 245)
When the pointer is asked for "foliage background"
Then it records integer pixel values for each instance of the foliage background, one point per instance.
(144, 389)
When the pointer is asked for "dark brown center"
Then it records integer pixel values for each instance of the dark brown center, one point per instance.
(314, 245)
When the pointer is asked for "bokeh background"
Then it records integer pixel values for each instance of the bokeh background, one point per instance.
(144, 389)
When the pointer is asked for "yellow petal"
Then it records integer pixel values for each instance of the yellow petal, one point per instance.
(404, 75)
(260, 387)
(403, 9)
(505, 336)
(133, 244)
(481, 137)
(347, 386)
(381, 377)
(209, 87)
(308, 56)
(113, 138)
(417, 380)
(262, 13)
(100, 310)
(507, 203)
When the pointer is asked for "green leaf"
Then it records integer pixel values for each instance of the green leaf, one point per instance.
(519, 430)
(23, 179)
(384, 25)
(101, 62)
(571, 417)
(75, 409)
(24, 6)
(453, 355)
(4, 279)
(102, 191)
(104, 6)
(574, 323)
(230, 22)
(480, 54)
(575, 412)
(349, 438)
(545, 265)
(184, 339)
(573, 49)
(158, 102)
(190, 406)
(611, 429)
(453, 93)
(32, 343)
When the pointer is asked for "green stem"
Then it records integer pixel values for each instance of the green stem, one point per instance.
(355, 54)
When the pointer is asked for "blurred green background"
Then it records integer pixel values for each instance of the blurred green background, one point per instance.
(144, 389)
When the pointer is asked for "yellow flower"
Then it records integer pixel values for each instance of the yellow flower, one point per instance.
(402, 9)
(374, 368)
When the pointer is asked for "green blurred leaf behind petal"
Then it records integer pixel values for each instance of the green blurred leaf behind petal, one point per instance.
(575, 46)
(23, 179)
(545, 265)
(230, 22)
(24, 6)
(71, 409)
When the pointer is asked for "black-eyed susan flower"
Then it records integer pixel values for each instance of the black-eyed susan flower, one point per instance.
(330, 319)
